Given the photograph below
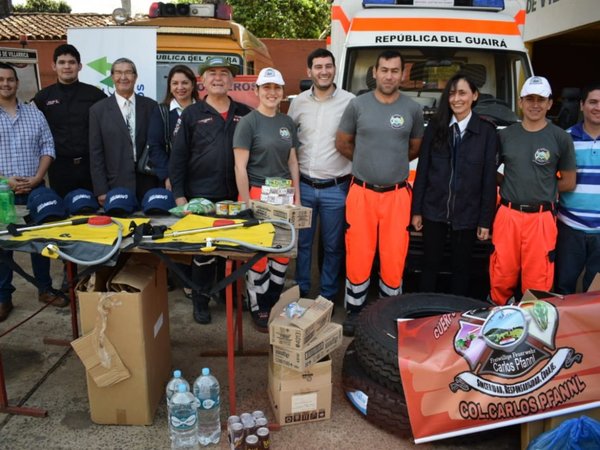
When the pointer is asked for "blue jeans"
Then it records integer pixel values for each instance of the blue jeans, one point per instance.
(40, 265)
(328, 205)
(576, 250)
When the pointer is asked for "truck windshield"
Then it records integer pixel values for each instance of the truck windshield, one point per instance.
(426, 71)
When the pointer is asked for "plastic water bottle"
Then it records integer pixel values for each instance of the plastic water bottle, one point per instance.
(206, 390)
(183, 419)
(173, 384)
(8, 214)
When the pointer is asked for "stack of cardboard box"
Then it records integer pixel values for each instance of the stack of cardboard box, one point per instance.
(299, 365)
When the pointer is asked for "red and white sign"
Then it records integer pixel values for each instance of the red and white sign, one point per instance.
(490, 368)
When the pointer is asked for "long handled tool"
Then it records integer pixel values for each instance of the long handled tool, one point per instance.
(17, 230)
(52, 249)
(219, 224)
(226, 224)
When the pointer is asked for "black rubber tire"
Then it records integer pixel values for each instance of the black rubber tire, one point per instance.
(376, 331)
(385, 408)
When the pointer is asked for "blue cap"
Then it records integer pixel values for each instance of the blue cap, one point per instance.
(158, 201)
(120, 202)
(81, 201)
(45, 205)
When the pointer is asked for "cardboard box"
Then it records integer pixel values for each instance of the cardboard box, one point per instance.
(296, 333)
(137, 324)
(327, 340)
(300, 397)
(299, 216)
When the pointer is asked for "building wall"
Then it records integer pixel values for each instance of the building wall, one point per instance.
(289, 57)
(45, 51)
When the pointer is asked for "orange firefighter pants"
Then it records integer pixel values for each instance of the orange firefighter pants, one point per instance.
(523, 246)
(376, 220)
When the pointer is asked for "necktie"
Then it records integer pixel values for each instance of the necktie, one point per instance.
(130, 122)
(456, 135)
(455, 142)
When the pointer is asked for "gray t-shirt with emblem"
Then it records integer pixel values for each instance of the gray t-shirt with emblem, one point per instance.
(382, 133)
(269, 140)
(531, 160)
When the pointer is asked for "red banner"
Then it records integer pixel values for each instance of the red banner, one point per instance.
(483, 369)
(241, 91)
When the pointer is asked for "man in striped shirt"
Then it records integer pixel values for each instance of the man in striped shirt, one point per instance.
(26, 152)
(578, 245)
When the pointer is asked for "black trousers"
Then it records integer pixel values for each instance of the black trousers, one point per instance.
(435, 236)
(67, 174)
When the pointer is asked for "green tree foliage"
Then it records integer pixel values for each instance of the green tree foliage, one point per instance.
(300, 19)
(293, 19)
(54, 6)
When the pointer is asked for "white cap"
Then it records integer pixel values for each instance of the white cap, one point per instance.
(536, 86)
(270, 75)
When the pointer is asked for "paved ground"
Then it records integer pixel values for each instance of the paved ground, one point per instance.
(52, 377)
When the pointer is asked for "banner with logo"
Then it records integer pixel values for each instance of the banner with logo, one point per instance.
(489, 368)
(100, 47)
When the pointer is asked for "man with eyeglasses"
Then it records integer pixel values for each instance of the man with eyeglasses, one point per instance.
(524, 235)
(118, 132)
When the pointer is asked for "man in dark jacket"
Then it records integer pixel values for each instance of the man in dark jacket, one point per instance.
(66, 106)
(118, 133)
(201, 162)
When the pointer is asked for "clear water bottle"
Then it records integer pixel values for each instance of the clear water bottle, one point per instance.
(206, 390)
(8, 213)
(183, 419)
(173, 384)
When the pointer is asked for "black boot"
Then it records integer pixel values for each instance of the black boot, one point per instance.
(201, 311)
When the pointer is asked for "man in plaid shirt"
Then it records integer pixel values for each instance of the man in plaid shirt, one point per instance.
(26, 152)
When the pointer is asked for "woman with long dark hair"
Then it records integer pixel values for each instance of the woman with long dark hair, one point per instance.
(182, 91)
(455, 186)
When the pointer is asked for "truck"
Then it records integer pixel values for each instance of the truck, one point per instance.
(188, 34)
(170, 35)
(436, 38)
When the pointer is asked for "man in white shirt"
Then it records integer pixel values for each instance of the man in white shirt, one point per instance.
(324, 172)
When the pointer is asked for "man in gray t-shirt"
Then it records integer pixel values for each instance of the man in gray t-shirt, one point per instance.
(380, 132)
(524, 236)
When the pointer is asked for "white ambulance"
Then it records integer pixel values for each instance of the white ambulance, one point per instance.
(436, 38)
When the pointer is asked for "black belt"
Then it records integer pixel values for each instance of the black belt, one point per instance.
(74, 161)
(378, 187)
(531, 208)
(324, 184)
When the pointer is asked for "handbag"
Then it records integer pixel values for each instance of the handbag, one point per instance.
(144, 165)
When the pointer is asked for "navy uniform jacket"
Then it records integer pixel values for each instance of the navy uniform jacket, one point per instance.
(201, 162)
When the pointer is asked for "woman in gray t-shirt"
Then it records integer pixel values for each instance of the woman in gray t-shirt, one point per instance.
(265, 141)
(264, 145)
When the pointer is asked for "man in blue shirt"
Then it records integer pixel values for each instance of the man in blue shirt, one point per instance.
(578, 245)
(26, 152)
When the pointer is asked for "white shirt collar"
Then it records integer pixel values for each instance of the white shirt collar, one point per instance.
(462, 125)
(121, 100)
(175, 105)
(333, 94)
